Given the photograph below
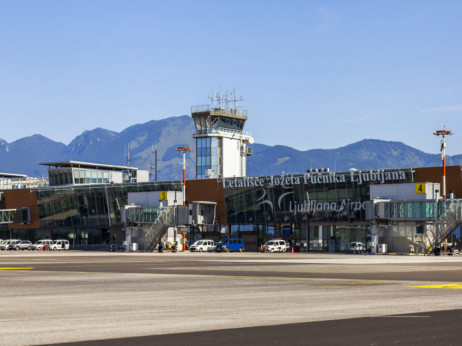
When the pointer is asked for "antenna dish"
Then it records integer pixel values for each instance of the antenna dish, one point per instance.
(251, 140)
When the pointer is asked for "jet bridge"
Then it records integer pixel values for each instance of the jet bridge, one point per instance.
(21, 215)
(441, 217)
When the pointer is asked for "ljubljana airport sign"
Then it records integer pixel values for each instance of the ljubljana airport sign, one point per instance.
(378, 176)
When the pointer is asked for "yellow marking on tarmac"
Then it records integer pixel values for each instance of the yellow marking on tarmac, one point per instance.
(16, 268)
(448, 286)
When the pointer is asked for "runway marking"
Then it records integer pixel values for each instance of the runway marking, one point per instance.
(448, 286)
(16, 268)
(404, 316)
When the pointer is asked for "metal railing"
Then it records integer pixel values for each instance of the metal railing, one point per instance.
(208, 108)
(164, 220)
(450, 216)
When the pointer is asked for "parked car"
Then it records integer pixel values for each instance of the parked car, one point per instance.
(21, 245)
(6, 244)
(43, 244)
(276, 245)
(357, 247)
(60, 244)
(203, 245)
(229, 245)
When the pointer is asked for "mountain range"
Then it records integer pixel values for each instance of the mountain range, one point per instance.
(164, 136)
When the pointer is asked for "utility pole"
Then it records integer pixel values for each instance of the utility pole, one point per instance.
(443, 133)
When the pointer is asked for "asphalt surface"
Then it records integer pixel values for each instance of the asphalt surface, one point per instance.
(188, 298)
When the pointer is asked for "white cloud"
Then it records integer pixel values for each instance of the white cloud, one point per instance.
(444, 109)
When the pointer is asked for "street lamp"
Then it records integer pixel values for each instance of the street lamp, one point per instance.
(184, 150)
(443, 133)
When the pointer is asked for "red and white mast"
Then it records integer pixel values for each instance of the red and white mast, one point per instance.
(184, 150)
(443, 133)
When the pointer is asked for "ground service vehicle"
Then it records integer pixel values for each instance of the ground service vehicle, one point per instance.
(60, 244)
(357, 247)
(276, 245)
(229, 245)
(203, 245)
(43, 244)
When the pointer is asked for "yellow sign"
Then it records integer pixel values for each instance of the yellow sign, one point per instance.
(419, 188)
(163, 196)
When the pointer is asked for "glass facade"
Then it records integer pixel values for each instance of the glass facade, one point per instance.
(209, 155)
(83, 214)
(211, 124)
(77, 176)
(315, 212)
(341, 202)
(85, 176)
(90, 206)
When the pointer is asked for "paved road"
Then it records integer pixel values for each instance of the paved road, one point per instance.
(227, 298)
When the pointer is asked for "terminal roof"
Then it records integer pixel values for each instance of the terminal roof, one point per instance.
(13, 176)
(87, 165)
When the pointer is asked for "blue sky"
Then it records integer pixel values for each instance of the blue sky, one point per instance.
(314, 74)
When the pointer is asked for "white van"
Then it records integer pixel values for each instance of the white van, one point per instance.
(203, 245)
(276, 245)
(60, 244)
(42, 244)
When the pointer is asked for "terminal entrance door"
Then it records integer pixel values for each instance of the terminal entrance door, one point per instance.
(319, 238)
(346, 234)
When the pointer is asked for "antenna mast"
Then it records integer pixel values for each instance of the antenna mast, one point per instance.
(154, 165)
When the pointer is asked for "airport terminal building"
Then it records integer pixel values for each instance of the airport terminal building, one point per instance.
(315, 211)
(95, 205)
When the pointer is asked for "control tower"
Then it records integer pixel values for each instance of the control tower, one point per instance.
(221, 144)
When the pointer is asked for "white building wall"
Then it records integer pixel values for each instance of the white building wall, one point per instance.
(115, 177)
(142, 176)
(231, 158)
(152, 198)
(399, 192)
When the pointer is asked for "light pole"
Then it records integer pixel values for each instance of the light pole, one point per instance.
(184, 150)
(183, 163)
(443, 133)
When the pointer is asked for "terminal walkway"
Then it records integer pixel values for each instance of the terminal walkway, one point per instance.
(21, 215)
